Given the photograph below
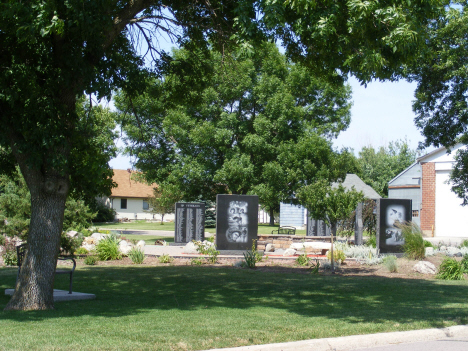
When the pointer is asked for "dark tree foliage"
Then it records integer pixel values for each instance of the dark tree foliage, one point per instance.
(240, 125)
(442, 94)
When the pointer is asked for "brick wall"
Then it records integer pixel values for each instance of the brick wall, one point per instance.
(428, 197)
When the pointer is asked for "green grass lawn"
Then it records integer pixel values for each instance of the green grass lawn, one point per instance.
(193, 308)
(143, 225)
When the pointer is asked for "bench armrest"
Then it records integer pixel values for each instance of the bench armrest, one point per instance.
(65, 258)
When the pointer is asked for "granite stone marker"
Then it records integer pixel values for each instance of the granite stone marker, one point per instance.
(236, 221)
(358, 225)
(317, 228)
(391, 212)
(189, 222)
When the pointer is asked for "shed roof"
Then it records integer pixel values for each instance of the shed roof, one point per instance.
(353, 180)
(128, 187)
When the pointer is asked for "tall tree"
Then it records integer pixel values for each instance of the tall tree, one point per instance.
(53, 51)
(442, 93)
(378, 167)
(252, 125)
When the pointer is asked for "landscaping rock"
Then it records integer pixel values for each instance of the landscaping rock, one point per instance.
(190, 248)
(89, 241)
(72, 233)
(429, 251)
(443, 248)
(279, 252)
(289, 252)
(125, 247)
(98, 237)
(270, 248)
(454, 251)
(89, 247)
(425, 267)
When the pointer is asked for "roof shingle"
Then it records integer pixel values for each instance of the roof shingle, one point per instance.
(127, 187)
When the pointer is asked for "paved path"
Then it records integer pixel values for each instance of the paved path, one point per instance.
(448, 344)
(446, 339)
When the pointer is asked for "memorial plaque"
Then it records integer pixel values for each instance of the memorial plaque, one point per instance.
(189, 222)
(311, 227)
(391, 212)
(236, 221)
(317, 228)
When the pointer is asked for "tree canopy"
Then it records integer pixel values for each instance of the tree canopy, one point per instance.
(441, 104)
(51, 52)
(256, 124)
(378, 167)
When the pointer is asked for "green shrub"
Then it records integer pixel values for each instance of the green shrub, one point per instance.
(165, 258)
(303, 260)
(253, 256)
(9, 254)
(390, 262)
(338, 256)
(464, 243)
(314, 268)
(450, 269)
(196, 262)
(69, 245)
(414, 243)
(102, 212)
(90, 260)
(464, 263)
(137, 255)
(428, 244)
(372, 241)
(2, 240)
(208, 250)
(108, 248)
(81, 251)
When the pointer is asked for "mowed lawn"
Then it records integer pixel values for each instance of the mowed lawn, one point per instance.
(194, 308)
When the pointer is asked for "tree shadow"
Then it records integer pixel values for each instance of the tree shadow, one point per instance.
(132, 290)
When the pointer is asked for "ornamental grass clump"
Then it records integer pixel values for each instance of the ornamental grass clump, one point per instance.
(414, 246)
(108, 248)
(450, 269)
(165, 258)
(390, 262)
(137, 255)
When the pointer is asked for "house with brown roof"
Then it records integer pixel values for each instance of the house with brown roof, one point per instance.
(129, 198)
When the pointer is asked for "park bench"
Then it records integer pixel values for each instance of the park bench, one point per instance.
(21, 252)
(285, 230)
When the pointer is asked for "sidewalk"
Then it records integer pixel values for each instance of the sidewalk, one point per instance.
(355, 342)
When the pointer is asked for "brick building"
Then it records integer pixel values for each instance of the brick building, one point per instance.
(440, 211)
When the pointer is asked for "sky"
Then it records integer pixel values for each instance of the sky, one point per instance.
(381, 113)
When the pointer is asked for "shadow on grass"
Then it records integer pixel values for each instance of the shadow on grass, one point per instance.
(132, 289)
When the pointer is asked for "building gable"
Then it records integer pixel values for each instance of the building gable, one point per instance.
(128, 187)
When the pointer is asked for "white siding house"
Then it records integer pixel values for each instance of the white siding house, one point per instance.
(128, 199)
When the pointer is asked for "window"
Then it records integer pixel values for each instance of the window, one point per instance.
(123, 204)
(145, 205)
(415, 213)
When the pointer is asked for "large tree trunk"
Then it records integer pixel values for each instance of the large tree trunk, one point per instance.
(34, 289)
(272, 217)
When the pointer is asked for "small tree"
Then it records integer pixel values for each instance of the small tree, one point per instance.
(330, 204)
(164, 199)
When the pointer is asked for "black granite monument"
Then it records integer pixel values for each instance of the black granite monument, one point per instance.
(317, 228)
(189, 222)
(390, 212)
(236, 221)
